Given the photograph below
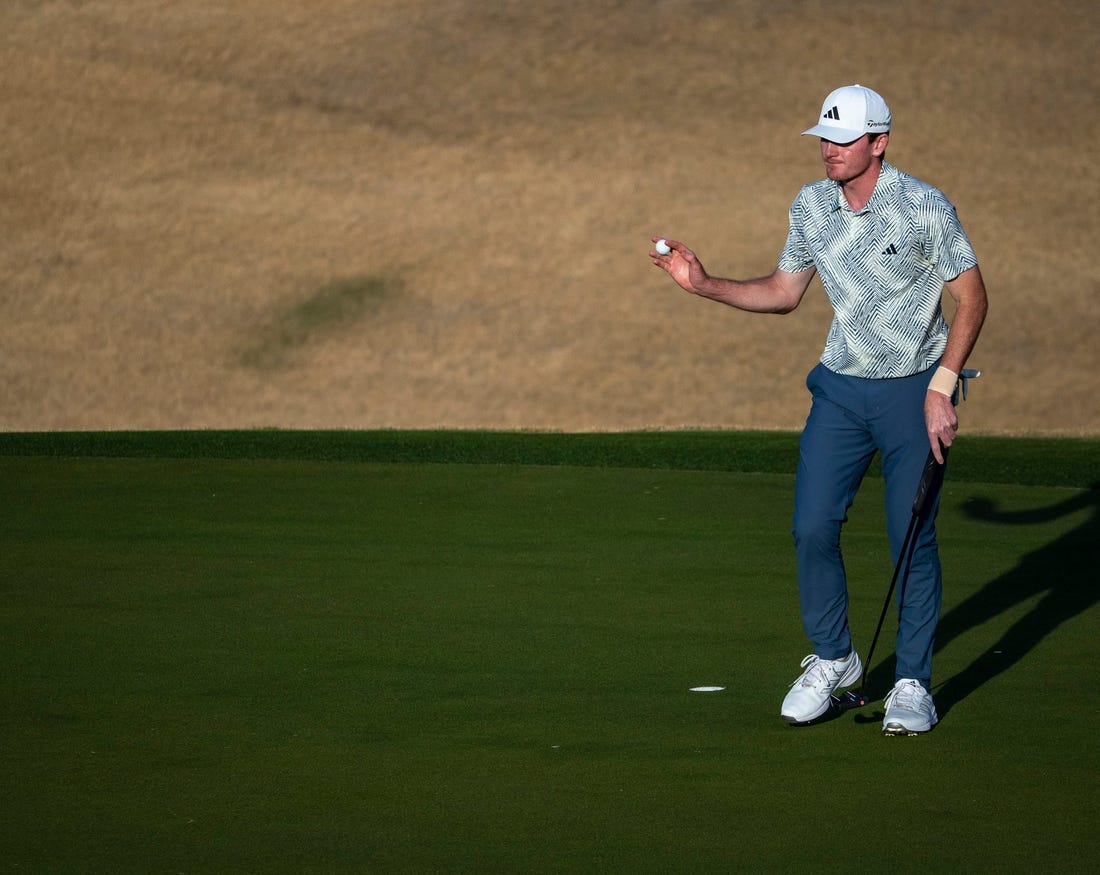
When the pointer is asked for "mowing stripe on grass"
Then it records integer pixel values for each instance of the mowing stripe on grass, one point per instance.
(975, 459)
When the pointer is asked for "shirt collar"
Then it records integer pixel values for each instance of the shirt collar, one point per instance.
(885, 187)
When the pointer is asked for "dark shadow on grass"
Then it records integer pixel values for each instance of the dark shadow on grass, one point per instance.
(1064, 572)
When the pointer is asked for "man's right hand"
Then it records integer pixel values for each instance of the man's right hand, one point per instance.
(682, 265)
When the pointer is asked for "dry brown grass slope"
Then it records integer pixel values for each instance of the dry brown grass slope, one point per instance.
(422, 213)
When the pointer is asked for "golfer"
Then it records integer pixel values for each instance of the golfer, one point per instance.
(885, 245)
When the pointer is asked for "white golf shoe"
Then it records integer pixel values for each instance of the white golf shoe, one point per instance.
(909, 709)
(809, 695)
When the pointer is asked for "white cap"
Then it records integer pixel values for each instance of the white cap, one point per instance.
(850, 112)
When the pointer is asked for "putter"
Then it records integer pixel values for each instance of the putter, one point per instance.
(930, 482)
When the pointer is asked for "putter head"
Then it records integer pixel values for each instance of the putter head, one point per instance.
(837, 706)
(963, 384)
(848, 700)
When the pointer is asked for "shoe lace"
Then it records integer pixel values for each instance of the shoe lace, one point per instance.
(907, 695)
(819, 672)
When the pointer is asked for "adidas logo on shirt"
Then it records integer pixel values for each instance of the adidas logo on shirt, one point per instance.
(890, 250)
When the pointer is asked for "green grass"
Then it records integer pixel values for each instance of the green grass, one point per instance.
(217, 661)
(1038, 461)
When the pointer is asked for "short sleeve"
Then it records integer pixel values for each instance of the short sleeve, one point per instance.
(796, 256)
(951, 251)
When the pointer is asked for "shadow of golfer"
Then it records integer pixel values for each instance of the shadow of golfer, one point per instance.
(1063, 571)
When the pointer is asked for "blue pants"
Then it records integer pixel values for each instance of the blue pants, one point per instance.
(852, 418)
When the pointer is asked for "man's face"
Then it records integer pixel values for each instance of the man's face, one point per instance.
(845, 162)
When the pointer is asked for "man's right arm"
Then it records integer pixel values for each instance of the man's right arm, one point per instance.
(779, 292)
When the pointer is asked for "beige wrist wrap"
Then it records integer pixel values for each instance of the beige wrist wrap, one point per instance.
(943, 381)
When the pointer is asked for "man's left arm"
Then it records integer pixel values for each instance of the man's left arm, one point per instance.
(971, 304)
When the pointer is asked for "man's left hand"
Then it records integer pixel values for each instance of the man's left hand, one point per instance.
(941, 421)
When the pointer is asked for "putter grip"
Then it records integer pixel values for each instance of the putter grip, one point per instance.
(929, 480)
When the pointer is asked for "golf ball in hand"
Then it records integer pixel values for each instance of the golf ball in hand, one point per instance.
(662, 247)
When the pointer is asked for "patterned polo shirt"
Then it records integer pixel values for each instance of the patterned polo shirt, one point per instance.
(883, 268)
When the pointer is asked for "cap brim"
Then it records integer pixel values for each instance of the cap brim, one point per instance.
(833, 134)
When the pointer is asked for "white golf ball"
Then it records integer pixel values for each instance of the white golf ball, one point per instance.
(662, 247)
